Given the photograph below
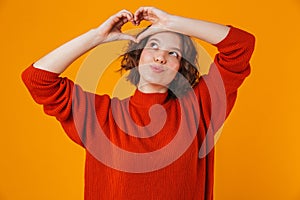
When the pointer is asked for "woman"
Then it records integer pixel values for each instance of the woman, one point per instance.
(154, 162)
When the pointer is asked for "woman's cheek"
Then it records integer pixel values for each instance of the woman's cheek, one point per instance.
(174, 64)
(145, 56)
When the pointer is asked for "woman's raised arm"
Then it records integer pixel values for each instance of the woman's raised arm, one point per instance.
(60, 58)
(207, 31)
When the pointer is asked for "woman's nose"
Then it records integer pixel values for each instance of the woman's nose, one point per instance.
(160, 57)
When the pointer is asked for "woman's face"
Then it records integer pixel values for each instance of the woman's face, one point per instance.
(159, 62)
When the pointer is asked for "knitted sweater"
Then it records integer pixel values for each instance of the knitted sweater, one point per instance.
(134, 153)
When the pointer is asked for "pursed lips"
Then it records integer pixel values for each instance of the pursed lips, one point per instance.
(157, 68)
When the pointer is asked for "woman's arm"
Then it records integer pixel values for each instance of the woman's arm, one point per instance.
(59, 59)
(207, 31)
(210, 32)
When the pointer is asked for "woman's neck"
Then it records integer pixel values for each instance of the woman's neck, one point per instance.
(152, 88)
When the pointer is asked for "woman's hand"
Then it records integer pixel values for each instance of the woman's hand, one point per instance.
(110, 30)
(159, 20)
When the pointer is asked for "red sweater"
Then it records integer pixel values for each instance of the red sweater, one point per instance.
(175, 163)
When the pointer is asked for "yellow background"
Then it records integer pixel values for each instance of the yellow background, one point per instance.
(257, 155)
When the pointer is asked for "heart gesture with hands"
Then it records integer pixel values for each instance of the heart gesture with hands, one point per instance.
(159, 19)
(110, 30)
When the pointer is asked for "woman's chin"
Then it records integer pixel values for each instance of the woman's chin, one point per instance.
(153, 87)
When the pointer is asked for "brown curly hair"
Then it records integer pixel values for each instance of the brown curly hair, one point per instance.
(188, 65)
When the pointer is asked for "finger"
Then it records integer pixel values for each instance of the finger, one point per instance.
(129, 16)
(137, 13)
(140, 13)
(146, 13)
(123, 14)
(122, 18)
(142, 10)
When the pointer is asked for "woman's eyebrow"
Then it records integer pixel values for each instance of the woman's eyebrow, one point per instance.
(177, 49)
(156, 40)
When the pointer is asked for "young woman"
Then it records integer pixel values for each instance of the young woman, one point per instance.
(134, 151)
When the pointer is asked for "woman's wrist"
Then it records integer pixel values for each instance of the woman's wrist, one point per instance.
(176, 24)
(169, 23)
(97, 36)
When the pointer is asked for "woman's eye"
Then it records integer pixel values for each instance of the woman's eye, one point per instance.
(153, 45)
(173, 53)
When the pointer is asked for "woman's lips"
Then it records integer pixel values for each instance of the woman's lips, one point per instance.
(157, 69)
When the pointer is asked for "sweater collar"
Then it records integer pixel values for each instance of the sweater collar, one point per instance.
(148, 99)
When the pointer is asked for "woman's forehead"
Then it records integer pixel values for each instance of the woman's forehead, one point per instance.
(167, 38)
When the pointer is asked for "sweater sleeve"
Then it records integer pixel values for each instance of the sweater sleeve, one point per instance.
(50, 90)
(62, 99)
(217, 91)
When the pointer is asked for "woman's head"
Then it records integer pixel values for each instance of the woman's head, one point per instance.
(156, 59)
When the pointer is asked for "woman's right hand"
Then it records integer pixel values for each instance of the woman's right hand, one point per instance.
(110, 30)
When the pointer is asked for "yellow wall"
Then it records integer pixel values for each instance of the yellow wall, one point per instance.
(257, 156)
